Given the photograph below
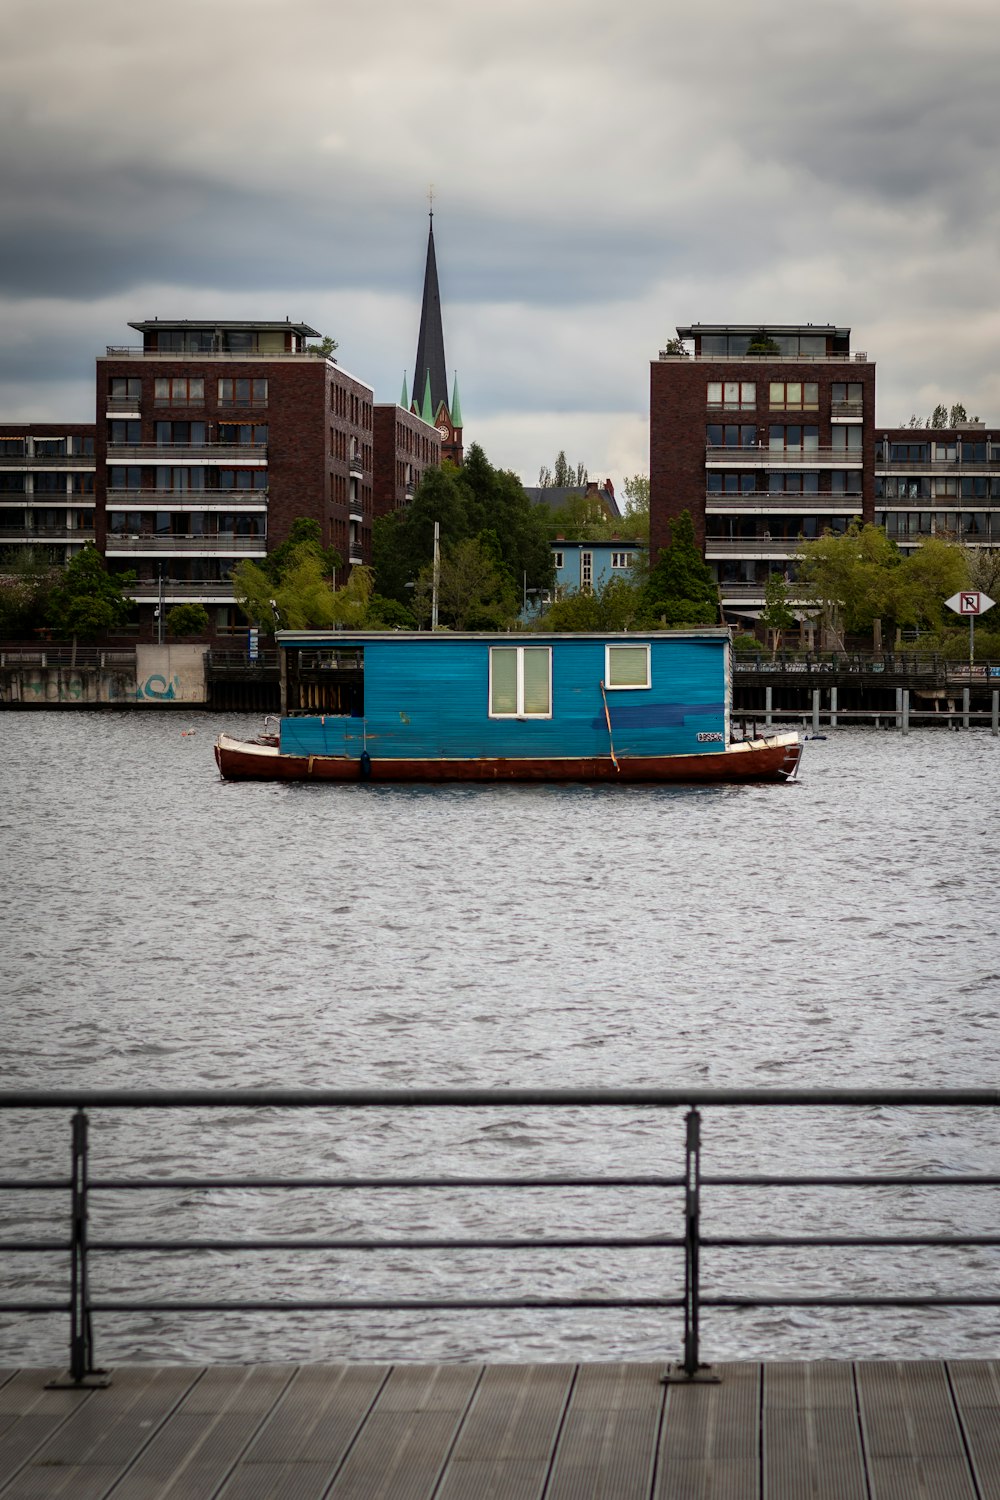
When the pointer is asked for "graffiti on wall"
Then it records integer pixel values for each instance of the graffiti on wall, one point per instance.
(158, 689)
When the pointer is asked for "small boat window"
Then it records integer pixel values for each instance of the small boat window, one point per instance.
(627, 666)
(520, 682)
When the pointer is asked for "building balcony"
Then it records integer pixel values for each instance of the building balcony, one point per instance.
(887, 467)
(847, 411)
(46, 534)
(187, 546)
(782, 458)
(758, 504)
(355, 467)
(84, 461)
(147, 591)
(753, 593)
(122, 406)
(225, 356)
(752, 547)
(209, 500)
(188, 453)
(354, 555)
(771, 360)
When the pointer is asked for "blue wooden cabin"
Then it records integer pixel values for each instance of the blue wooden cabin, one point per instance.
(445, 696)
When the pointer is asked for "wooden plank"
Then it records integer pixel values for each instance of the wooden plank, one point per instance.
(193, 1453)
(404, 1444)
(505, 1444)
(710, 1442)
(97, 1444)
(810, 1434)
(913, 1444)
(29, 1415)
(308, 1435)
(975, 1387)
(607, 1448)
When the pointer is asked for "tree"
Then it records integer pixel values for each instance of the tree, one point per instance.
(25, 585)
(680, 589)
(777, 615)
(982, 566)
(88, 600)
(848, 575)
(924, 579)
(475, 591)
(939, 416)
(188, 619)
(470, 502)
(763, 343)
(293, 587)
(675, 346)
(958, 415)
(326, 346)
(303, 531)
(563, 476)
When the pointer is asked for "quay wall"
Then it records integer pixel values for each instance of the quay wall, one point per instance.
(161, 676)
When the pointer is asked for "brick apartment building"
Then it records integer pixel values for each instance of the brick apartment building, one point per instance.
(210, 440)
(767, 435)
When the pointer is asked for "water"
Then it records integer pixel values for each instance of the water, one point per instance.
(164, 929)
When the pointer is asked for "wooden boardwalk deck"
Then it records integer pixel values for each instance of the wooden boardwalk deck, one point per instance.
(926, 1431)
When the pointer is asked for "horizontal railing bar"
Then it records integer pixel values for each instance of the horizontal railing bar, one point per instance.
(34, 1307)
(518, 1242)
(768, 1241)
(36, 1185)
(383, 1304)
(14, 1247)
(143, 1184)
(437, 1098)
(960, 1299)
(960, 1179)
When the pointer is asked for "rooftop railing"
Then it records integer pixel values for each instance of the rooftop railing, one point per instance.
(136, 351)
(682, 1190)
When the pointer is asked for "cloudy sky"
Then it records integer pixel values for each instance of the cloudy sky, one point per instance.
(601, 173)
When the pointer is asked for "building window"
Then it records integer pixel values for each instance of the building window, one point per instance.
(626, 666)
(793, 484)
(179, 434)
(847, 439)
(794, 395)
(793, 438)
(520, 682)
(178, 390)
(847, 398)
(622, 559)
(909, 453)
(732, 395)
(731, 436)
(120, 431)
(124, 388)
(558, 559)
(242, 392)
(239, 434)
(50, 447)
(586, 572)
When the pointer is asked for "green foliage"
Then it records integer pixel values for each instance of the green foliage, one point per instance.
(957, 415)
(304, 531)
(746, 645)
(293, 587)
(88, 600)
(763, 343)
(680, 589)
(389, 614)
(474, 502)
(618, 606)
(776, 615)
(674, 346)
(25, 585)
(475, 591)
(188, 619)
(938, 417)
(563, 475)
(861, 576)
(326, 346)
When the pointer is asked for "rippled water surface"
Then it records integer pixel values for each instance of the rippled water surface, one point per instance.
(163, 929)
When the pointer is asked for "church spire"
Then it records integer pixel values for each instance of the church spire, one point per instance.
(430, 341)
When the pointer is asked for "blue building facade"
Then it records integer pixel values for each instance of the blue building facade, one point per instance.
(588, 566)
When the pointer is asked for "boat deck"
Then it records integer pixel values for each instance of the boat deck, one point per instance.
(846, 1431)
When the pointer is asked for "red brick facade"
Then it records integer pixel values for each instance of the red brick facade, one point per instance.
(405, 446)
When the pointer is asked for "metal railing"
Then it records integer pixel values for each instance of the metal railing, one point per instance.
(173, 453)
(201, 499)
(689, 1181)
(764, 501)
(889, 663)
(208, 544)
(760, 456)
(65, 656)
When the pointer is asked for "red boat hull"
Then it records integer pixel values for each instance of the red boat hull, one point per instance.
(755, 760)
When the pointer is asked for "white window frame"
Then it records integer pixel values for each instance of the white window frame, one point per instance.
(622, 559)
(625, 687)
(558, 559)
(519, 712)
(586, 572)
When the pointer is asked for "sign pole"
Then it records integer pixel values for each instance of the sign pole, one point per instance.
(971, 602)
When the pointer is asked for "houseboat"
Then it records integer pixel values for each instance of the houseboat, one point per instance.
(443, 706)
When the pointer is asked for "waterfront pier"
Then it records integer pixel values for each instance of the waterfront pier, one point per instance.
(773, 1431)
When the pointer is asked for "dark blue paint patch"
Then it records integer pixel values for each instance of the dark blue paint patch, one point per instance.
(658, 715)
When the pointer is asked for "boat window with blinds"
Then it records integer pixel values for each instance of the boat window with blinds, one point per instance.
(626, 666)
(520, 682)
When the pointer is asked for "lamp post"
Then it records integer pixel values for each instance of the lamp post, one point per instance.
(159, 606)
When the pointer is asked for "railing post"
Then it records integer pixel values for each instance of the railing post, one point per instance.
(82, 1373)
(692, 1193)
